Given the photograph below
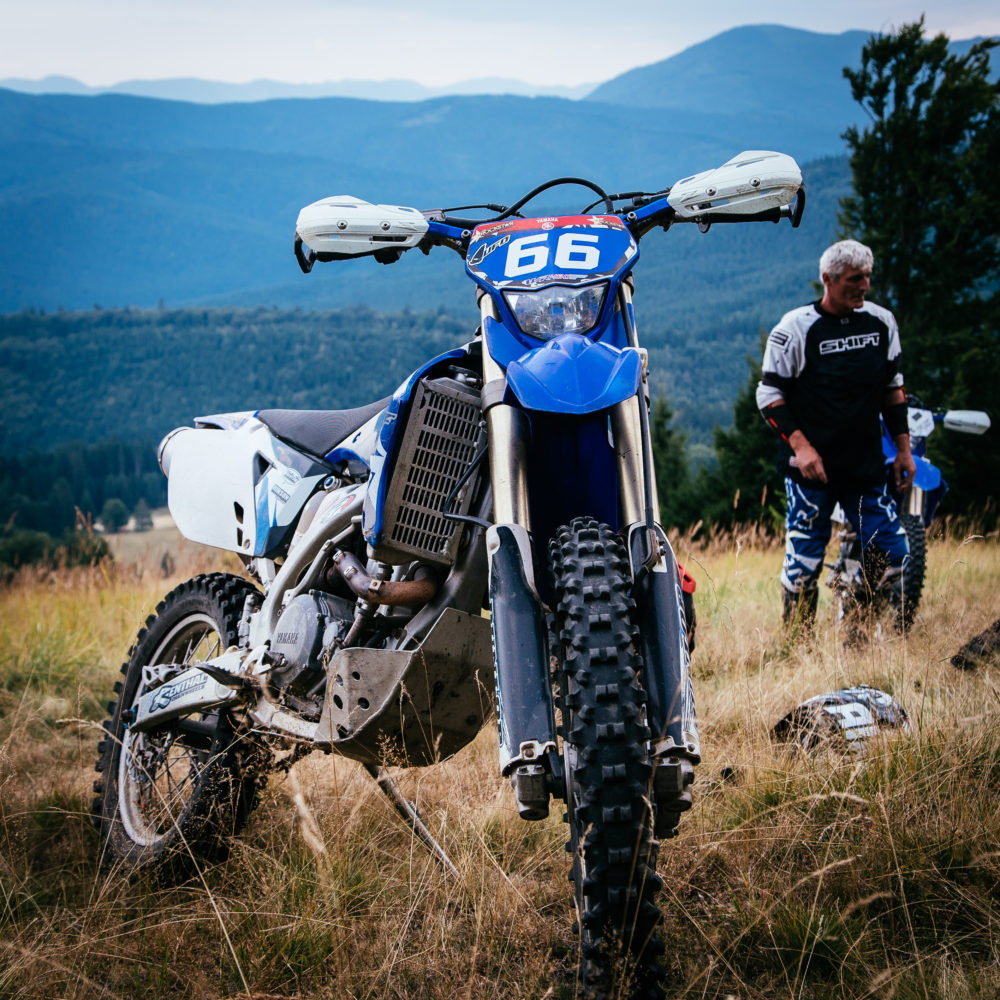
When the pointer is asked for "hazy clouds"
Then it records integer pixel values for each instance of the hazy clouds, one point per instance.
(434, 41)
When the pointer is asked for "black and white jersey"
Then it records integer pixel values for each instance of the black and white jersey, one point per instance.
(833, 372)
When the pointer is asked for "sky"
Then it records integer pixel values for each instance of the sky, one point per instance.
(434, 42)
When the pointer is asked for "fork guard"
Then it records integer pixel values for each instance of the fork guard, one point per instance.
(659, 601)
(525, 710)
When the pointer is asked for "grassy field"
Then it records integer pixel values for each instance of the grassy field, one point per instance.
(826, 875)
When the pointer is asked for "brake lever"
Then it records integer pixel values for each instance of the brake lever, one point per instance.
(795, 210)
(306, 260)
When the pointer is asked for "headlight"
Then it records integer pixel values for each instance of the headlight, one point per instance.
(547, 312)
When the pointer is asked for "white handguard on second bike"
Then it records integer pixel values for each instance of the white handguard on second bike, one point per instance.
(751, 182)
(349, 227)
(967, 421)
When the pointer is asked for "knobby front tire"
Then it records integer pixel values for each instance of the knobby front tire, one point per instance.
(905, 602)
(605, 740)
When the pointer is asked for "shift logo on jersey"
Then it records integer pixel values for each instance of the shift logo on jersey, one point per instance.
(855, 343)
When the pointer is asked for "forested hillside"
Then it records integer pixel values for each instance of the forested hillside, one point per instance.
(701, 302)
(134, 374)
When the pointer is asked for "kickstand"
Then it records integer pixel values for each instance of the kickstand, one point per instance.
(408, 811)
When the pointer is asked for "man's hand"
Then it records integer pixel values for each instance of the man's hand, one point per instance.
(807, 458)
(904, 468)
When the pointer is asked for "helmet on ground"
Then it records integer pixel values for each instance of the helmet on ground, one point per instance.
(849, 716)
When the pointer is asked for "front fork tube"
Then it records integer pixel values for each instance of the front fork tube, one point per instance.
(525, 711)
(659, 602)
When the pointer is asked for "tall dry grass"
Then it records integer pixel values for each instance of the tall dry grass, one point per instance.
(826, 875)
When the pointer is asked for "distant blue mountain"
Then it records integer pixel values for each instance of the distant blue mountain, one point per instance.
(201, 91)
(765, 71)
(126, 201)
(123, 200)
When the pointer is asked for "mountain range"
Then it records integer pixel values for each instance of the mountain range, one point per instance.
(219, 92)
(122, 200)
(118, 200)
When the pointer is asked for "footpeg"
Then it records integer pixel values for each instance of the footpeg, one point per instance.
(531, 790)
(672, 781)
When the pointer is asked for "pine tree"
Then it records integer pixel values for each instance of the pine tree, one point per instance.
(114, 515)
(142, 516)
(926, 202)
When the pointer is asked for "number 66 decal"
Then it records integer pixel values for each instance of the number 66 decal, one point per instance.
(530, 254)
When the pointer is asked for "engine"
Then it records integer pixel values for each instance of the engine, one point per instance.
(303, 643)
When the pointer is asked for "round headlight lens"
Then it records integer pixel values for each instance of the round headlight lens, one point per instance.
(552, 310)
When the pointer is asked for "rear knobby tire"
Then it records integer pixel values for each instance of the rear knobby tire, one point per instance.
(905, 601)
(167, 796)
(605, 741)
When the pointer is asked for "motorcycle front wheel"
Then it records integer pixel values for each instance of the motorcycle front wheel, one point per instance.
(167, 796)
(605, 741)
(905, 601)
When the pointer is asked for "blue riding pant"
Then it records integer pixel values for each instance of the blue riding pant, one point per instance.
(872, 514)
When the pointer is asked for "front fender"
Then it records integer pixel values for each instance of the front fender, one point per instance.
(573, 374)
(926, 476)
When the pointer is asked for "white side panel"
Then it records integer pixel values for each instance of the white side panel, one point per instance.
(211, 471)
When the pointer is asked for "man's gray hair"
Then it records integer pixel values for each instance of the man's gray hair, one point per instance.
(838, 258)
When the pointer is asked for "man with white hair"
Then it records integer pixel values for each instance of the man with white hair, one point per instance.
(830, 368)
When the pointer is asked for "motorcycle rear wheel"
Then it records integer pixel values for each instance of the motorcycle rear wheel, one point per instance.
(605, 741)
(168, 796)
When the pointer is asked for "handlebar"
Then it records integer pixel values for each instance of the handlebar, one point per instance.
(344, 227)
(643, 214)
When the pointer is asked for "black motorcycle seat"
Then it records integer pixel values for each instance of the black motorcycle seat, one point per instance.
(318, 431)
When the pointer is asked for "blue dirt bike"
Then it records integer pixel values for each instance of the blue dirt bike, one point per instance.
(916, 509)
(514, 472)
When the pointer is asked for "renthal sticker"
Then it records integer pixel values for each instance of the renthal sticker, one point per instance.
(169, 693)
(548, 222)
(485, 250)
(840, 344)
